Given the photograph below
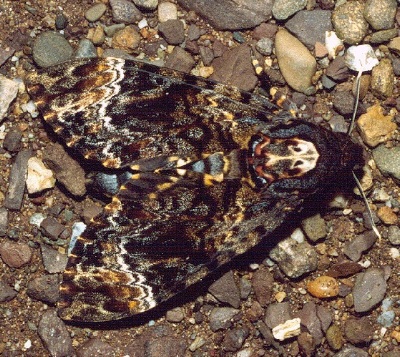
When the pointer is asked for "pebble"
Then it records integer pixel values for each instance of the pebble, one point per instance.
(296, 63)
(53, 261)
(288, 329)
(343, 103)
(265, 30)
(16, 179)
(349, 22)
(283, 9)
(167, 11)
(262, 282)
(314, 227)
(294, 259)
(334, 337)
(180, 60)
(95, 12)
(351, 351)
(54, 334)
(277, 313)
(126, 39)
(165, 346)
(310, 26)
(39, 177)
(112, 29)
(265, 46)
(220, 318)
(388, 161)
(369, 289)
(380, 14)
(86, 49)
(338, 70)
(51, 48)
(255, 311)
(175, 315)
(226, 290)
(207, 55)
(68, 172)
(234, 68)
(386, 215)
(95, 347)
(227, 15)
(5, 54)
(44, 288)
(234, 339)
(323, 287)
(344, 269)
(12, 140)
(15, 254)
(61, 21)
(173, 31)
(382, 79)
(358, 331)
(51, 228)
(97, 35)
(394, 235)
(375, 127)
(125, 11)
(244, 287)
(7, 293)
(4, 217)
(361, 243)
(146, 4)
(383, 36)
(8, 92)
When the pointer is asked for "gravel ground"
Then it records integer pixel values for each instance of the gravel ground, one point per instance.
(327, 269)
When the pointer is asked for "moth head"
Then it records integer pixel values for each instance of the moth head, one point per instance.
(301, 158)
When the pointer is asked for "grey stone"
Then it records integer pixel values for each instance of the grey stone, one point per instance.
(226, 290)
(180, 60)
(95, 348)
(124, 11)
(314, 227)
(53, 261)
(146, 4)
(51, 48)
(388, 161)
(86, 49)
(95, 12)
(283, 9)
(277, 313)
(361, 243)
(173, 31)
(394, 235)
(3, 221)
(12, 141)
(44, 288)
(7, 293)
(380, 13)
(220, 317)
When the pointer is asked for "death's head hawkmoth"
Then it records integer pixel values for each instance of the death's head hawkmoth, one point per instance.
(200, 173)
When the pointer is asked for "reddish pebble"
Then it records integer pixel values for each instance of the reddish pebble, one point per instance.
(323, 287)
(15, 255)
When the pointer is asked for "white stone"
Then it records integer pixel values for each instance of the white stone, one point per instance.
(8, 92)
(167, 11)
(288, 329)
(39, 176)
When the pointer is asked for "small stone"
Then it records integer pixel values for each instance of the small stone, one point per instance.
(12, 141)
(197, 343)
(394, 235)
(16, 179)
(226, 290)
(180, 60)
(306, 343)
(125, 11)
(349, 22)
(338, 70)
(375, 127)
(383, 36)
(358, 331)
(265, 46)
(314, 227)
(7, 293)
(287, 330)
(262, 282)
(220, 318)
(95, 12)
(53, 261)
(382, 79)
(8, 92)
(51, 48)
(245, 288)
(86, 49)
(255, 311)
(296, 63)
(51, 228)
(39, 177)
(323, 287)
(61, 21)
(173, 31)
(175, 315)
(351, 351)
(112, 29)
(44, 288)
(380, 13)
(15, 254)
(97, 36)
(361, 243)
(126, 39)
(283, 9)
(95, 347)
(369, 289)
(167, 11)
(386, 215)
(388, 161)
(146, 4)
(234, 339)
(54, 334)
(344, 269)
(3, 221)
(334, 337)
(277, 313)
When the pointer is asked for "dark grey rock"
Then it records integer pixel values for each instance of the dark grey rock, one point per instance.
(283, 9)
(207, 55)
(124, 11)
(310, 26)
(146, 4)
(338, 70)
(173, 31)
(234, 339)
(166, 346)
(5, 54)
(53, 261)
(51, 48)
(44, 288)
(351, 351)
(61, 21)
(3, 221)
(354, 248)
(7, 293)
(343, 102)
(262, 283)
(86, 49)
(193, 33)
(244, 287)
(54, 335)
(358, 331)
(16, 180)
(226, 290)
(95, 12)
(369, 289)
(175, 315)
(314, 227)
(51, 228)
(383, 36)
(277, 313)
(220, 317)
(227, 15)
(12, 140)
(180, 60)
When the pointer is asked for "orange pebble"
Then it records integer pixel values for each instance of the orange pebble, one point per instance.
(323, 287)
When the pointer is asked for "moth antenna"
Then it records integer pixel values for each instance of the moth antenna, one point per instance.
(353, 119)
(374, 228)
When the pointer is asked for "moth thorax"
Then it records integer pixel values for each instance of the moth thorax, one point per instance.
(273, 159)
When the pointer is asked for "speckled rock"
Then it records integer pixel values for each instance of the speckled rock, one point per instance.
(95, 347)
(126, 39)
(358, 331)
(380, 14)
(277, 313)
(146, 4)
(334, 337)
(85, 49)
(355, 247)
(7, 293)
(382, 79)
(262, 285)
(125, 11)
(383, 36)
(15, 254)
(388, 161)
(394, 235)
(296, 63)
(44, 288)
(349, 22)
(95, 12)
(180, 60)
(53, 260)
(220, 317)
(173, 31)
(283, 9)
(314, 227)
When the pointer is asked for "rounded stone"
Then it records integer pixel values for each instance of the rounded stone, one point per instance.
(95, 12)
(51, 48)
(380, 14)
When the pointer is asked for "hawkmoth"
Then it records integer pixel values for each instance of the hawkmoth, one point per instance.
(200, 173)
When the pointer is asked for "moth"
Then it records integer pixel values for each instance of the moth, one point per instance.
(199, 173)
